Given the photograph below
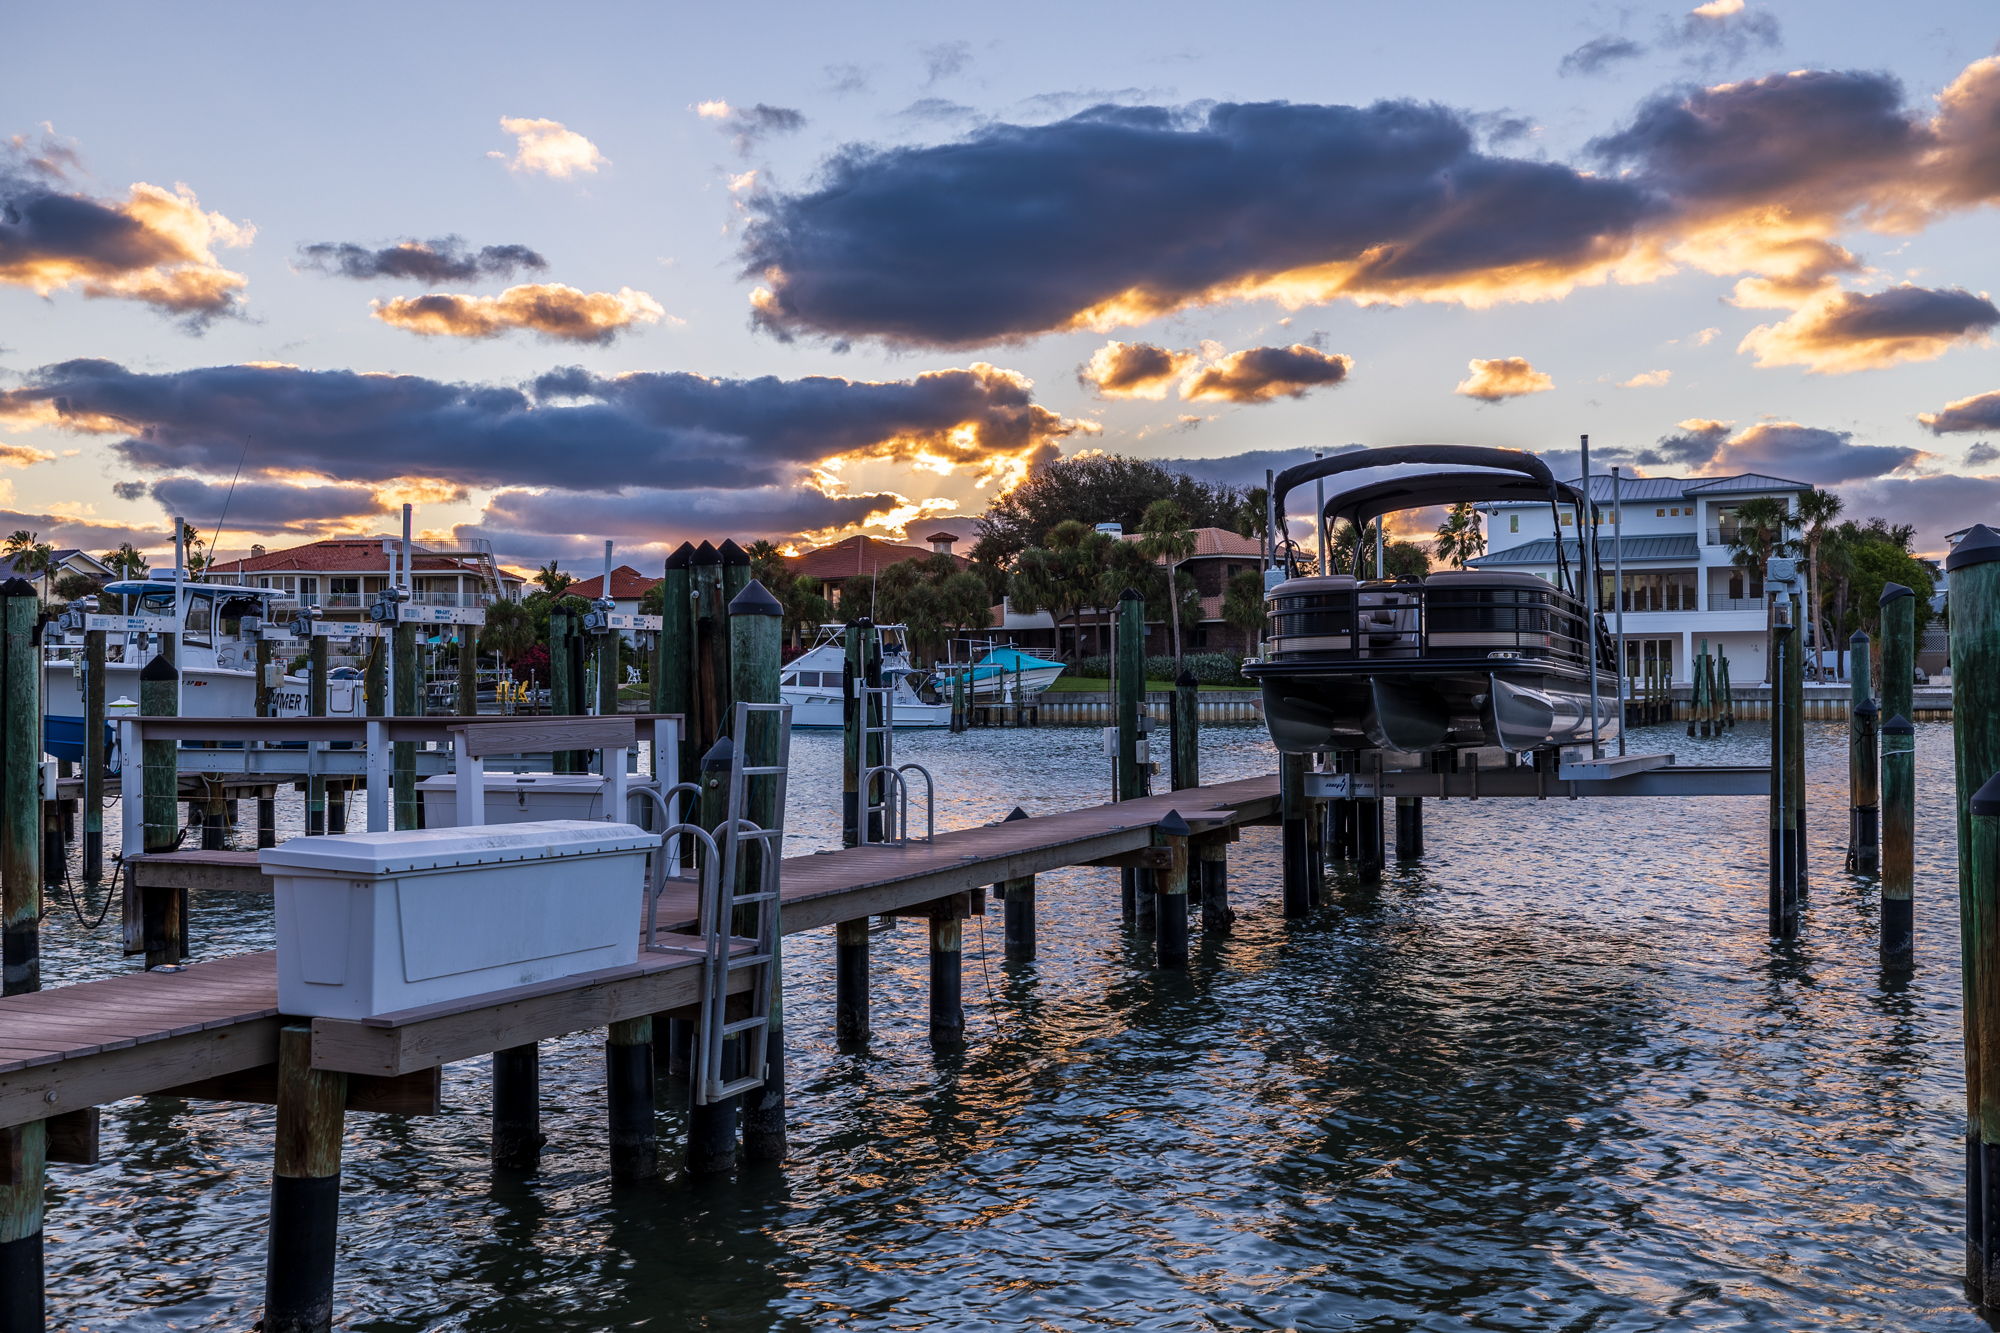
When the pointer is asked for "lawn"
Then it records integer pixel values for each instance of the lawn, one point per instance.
(1068, 684)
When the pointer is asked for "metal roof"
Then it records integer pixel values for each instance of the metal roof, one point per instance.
(1645, 490)
(1542, 551)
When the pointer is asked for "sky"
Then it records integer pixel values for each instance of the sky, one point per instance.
(658, 273)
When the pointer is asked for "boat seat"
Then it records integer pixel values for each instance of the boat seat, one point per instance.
(1318, 583)
(1497, 578)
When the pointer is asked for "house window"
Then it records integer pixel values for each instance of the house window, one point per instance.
(346, 587)
(1569, 520)
(1659, 513)
(1662, 590)
(1513, 522)
(308, 587)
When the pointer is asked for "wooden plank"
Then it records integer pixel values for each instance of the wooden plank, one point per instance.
(75, 1137)
(47, 1089)
(418, 1093)
(534, 734)
(1139, 858)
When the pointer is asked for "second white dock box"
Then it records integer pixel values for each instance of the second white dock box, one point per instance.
(513, 798)
(369, 923)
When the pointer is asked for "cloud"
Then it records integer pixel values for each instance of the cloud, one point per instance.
(1597, 54)
(567, 428)
(1011, 231)
(71, 529)
(1694, 444)
(747, 125)
(1933, 505)
(945, 59)
(155, 246)
(1979, 455)
(550, 309)
(520, 521)
(1979, 412)
(1501, 378)
(267, 506)
(1648, 379)
(1706, 336)
(1839, 332)
(937, 109)
(1776, 448)
(23, 455)
(1133, 370)
(1260, 374)
(1722, 31)
(445, 259)
(842, 80)
(549, 148)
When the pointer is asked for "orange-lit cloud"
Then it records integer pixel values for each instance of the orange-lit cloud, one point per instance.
(549, 148)
(155, 246)
(1261, 374)
(1502, 377)
(1839, 331)
(1133, 370)
(1648, 379)
(23, 455)
(550, 309)
(1979, 412)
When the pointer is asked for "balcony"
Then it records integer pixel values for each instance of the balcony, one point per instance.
(1721, 602)
(1722, 536)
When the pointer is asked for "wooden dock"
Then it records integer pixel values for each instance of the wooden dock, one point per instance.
(75, 1047)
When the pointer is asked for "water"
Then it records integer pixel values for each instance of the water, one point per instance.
(1554, 1078)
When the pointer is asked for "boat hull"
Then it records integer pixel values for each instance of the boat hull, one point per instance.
(1412, 711)
(822, 712)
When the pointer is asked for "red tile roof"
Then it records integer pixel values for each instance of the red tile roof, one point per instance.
(1218, 541)
(857, 555)
(340, 555)
(627, 585)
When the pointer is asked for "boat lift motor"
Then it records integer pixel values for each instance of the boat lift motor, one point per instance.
(387, 609)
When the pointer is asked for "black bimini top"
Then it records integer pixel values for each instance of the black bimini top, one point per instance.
(1364, 503)
(1516, 467)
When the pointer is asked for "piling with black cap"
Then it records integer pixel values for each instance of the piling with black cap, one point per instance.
(305, 1190)
(20, 792)
(1187, 731)
(947, 998)
(1899, 781)
(1974, 568)
(1864, 800)
(1170, 932)
(673, 652)
(162, 911)
(860, 715)
(756, 643)
(1017, 907)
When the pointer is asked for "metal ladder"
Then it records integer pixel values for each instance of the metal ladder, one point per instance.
(727, 953)
(893, 809)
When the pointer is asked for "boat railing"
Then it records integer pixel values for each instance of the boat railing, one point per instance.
(1408, 621)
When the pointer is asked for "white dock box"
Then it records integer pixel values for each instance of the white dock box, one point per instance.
(514, 798)
(369, 923)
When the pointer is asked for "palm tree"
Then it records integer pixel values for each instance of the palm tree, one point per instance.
(553, 579)
(1459, 537)
(33, 558)
(127, 562)
(1061, 576)
(1243, 606)
(509, 630)
(1164, 535)
(1817, 510)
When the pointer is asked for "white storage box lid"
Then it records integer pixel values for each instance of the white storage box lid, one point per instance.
(582, 784)
(410, 850)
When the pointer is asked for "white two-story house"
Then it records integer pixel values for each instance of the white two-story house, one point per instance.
(1682, 585)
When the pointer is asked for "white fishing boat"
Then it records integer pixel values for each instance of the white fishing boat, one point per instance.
(811, 682)
(216, 628)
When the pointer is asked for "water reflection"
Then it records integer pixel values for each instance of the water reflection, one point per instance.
(1553, 1077)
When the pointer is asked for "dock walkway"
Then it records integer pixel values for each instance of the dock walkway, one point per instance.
(73, 1047)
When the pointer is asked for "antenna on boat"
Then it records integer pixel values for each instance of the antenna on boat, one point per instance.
(215, 538)
(180, 606)
(1585, 548)
(1618, 605)
(1321, 527)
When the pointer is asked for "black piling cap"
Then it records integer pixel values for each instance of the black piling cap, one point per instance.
(1130, 595)
(719, 755)
(679, 557)
(755, 600)
(1891, 591)
(1173, 826)
(1859, 636)
(1974, 548)
(1867, 708)
(1016, 813)
(705, 554)
(158, 669)
(1898, 726)
(1186, 678)
(861, 622)
(1986, 801)
(17, 587)
(732, 554)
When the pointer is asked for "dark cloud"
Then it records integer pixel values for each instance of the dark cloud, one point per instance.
(1692, 446)
(747, 126)
(568, 428)
(155, 246)
(1979, 455)
(266, 506)
(515, 519)
(1597, 54)
(1248, 468)
(1260, 374)
(1019, 230)
(445, 259)
(1070, 101)
(1847, 331)
(1807, 453)
(1979, 412)
(1934, 505)
(937, 109)
(1133, 370)
(1723, 31)
(945, 59)
(91, 535)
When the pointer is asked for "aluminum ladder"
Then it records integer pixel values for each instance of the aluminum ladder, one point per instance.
(890, 814)
(749, 853)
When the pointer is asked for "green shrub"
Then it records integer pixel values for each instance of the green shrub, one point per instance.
(1208, 668)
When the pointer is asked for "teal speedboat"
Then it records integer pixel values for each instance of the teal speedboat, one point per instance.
(1007, 673)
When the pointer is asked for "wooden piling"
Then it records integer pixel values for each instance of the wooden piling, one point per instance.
(1863, 766)
(756, 643)
(1170, 934)
(947, 1007)
(1017, 898)
(1974, 569)
(162, 911)
(673, 654)
(305, 1190)
(1296, 848)
(863, 666)
(1899, 782)
(23, 1174)
(1368, 841)
(1795, 754)
(1212, 865)
(517, 1109)
(1409, 828)
(628, 1089)
(467, 662)
(565, 690)
(95, 759)
(1187, 731)
(850, 982)
(20, 788)
(608, 652)
(1899, 651)
(1783, 895)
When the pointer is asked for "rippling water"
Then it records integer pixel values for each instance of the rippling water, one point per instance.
(1555, 1077)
